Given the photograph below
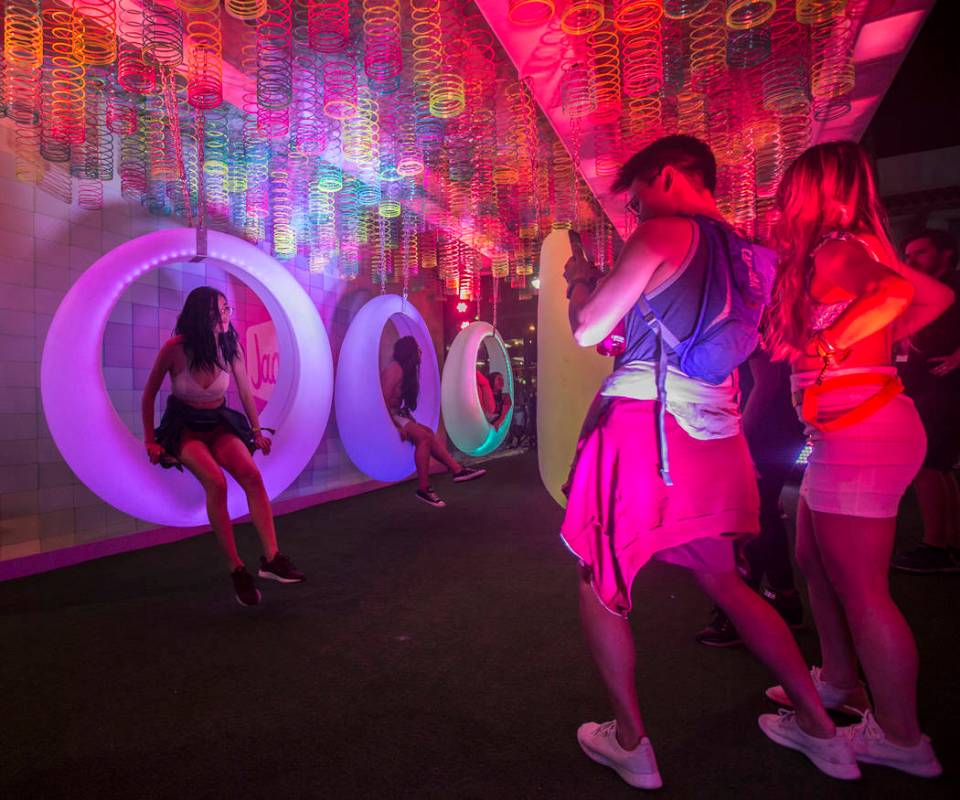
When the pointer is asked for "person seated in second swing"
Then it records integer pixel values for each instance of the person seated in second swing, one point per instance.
(494, 401)
(400, 382)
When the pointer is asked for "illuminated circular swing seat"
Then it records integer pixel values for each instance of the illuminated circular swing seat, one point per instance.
(366, 430)
(464, 417)
(93, 439)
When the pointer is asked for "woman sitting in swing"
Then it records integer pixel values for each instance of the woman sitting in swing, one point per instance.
(200, 433)
(400, 382)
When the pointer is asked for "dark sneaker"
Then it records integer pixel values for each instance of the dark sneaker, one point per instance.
(788, 605)
(468, 474)
(720, 632)
(244, 587)
(430, 497)
(926, 560)
(280, 568)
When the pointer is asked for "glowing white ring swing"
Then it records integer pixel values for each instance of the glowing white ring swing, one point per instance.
(366, 430)
(94, 440)
(463, 416)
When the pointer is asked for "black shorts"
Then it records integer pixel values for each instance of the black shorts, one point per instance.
(179, 417)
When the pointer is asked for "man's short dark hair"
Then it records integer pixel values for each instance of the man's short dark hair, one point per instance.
(685, 153)
(944, 242)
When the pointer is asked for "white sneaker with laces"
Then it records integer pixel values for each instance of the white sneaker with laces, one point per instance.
(870, 745)
(833, 756)
(638, 767)
(848, 701)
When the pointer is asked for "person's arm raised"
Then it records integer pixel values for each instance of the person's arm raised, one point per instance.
(595, 312)
(879, 294)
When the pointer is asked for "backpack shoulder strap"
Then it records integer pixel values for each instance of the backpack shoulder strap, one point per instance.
(656, 324)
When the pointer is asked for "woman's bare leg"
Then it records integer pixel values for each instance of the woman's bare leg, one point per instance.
(769, 639)
(611, 643)
(855, 552)
(196, 457)
(233, 456)
(836, 644)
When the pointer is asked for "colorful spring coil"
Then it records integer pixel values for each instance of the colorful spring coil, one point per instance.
(577, 95)
(274, 59)
(447, 96)
(813, 12)
(245, 9)
(204, 58)
(683, 9)
(340, 88)
(133, 173)
(361, 132)
(708, 45)
(692, 113)
(832, 72)
(607, 145)
(64, 108)
(581, 17)
(162, 34)
(634, 16)
(133, 73)
(742, 15)
(643, 63)
(328, 25)
(98, 43)
(121, 113)
(23, 34)
(768, 161)
(604, 48)
(530, 13)
(749, 48)
(426, 43)
(642, 122)
(308, 132)
(382, 58)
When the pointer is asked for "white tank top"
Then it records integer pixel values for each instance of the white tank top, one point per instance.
(185, 387)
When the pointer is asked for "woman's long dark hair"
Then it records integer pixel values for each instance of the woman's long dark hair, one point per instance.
(406, 353)
(198, 318)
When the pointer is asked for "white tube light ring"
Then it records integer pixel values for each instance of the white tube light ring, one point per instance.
(463, 416)
(93, 439)
(366, 430)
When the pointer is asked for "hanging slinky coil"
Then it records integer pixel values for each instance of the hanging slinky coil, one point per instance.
(742, 15)
(581, 17)
(328, 25)
(633, 16)
(530, 13)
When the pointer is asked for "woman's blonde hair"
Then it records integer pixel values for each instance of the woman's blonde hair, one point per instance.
(829, 188)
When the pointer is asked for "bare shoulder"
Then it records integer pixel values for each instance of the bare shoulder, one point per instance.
(172, 350)
(663, 236)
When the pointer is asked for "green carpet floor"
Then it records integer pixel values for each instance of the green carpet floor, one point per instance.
(432, 654)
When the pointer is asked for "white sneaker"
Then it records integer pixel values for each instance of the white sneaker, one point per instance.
(638, 767)
(832, 756)
(849, 701)
(870, 746)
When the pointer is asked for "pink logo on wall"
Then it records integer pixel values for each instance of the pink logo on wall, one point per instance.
(263, 360)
